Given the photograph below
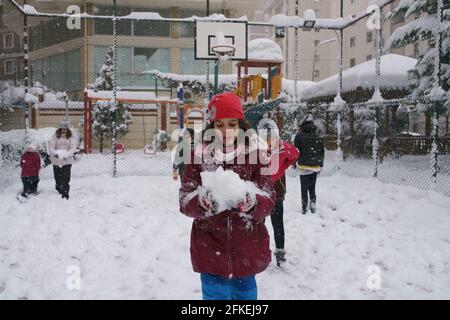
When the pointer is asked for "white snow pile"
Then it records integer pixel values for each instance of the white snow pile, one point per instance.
(62, 154)
(227, 187)
(394, 75)
(224, 79)
(126, 95)
(109, 227)
(264, 49)
(17, 137)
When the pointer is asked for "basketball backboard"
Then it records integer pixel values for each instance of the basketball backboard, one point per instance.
(207, 34)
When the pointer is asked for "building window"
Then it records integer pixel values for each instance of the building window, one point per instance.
(9, 67)
(58, 72)
(353, 1)
(187, 29)
(132, 62)
(188, 64)
(352, 62)
(8, 40)
(352, 41)
(368, 57)
(317, 12)
(57, 28)
(152, 28)
(369, 36)
(147, 59)
(105, 26)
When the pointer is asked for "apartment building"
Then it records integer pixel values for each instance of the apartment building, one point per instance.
(69, 59)
(11, 53)
(318, 50)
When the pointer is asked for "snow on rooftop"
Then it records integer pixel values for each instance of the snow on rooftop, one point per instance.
(281, 20)
(394, 75)
(30, 10)
(264, 49)
(289, 86)
(125, 95)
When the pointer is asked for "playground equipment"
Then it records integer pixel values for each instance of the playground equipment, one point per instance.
(129, 97)
(220, 41)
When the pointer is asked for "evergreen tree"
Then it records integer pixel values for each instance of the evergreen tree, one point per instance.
(105, 75)
(103, 118)
(426, 26)
(102, 112)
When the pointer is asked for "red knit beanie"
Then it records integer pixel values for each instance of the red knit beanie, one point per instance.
(225, 105)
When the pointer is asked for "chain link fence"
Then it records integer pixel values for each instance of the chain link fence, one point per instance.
(71, 64)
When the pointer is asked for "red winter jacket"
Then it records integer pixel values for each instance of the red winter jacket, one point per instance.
(227, 244)
(287, 155)
(30, 163)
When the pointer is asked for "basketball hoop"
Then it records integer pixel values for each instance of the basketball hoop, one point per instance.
(221, 49)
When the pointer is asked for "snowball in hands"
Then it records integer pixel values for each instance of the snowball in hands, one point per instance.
(228, 189)
(62, 154)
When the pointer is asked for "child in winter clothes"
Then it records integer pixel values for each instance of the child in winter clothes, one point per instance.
(62, 147)
(282, 155)
(30, 162)
(230, 247)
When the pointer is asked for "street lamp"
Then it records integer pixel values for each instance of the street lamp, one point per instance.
(309, 18)
(315, 50)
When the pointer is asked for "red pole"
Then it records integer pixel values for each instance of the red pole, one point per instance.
(90, 126)
(85, 122)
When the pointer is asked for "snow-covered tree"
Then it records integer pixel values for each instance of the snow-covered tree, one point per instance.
(105, 75)
(103, 119)
(426, 26)
(103, 112)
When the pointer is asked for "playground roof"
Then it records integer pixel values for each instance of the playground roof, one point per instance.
(128, 96)
(394, 76)
(265, 50)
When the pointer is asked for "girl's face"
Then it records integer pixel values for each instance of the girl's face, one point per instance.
(228, 128)
(64, 132)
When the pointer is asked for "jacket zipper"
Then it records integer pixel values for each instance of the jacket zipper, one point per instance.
(230, 267)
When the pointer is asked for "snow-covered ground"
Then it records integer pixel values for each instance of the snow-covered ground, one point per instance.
(130, 241)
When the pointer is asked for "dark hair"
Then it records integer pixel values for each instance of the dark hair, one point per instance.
(68, 133)
(243, 124)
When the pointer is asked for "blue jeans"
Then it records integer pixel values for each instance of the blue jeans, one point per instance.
(221, 288)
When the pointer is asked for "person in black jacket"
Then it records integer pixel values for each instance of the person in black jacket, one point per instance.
(310, 162)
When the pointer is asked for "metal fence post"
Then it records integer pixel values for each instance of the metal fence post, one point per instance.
(114, 100)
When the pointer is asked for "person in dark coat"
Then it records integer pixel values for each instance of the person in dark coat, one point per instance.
(30, 162)
(228, 248)
(282, 156)
(187, 139)
(310, 162)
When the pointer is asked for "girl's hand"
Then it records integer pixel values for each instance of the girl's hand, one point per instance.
(207, 201)
(248, 203)
(175, 175)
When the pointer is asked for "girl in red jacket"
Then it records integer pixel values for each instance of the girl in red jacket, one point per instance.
(31, 164)
(282, 155)
(228, 247)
